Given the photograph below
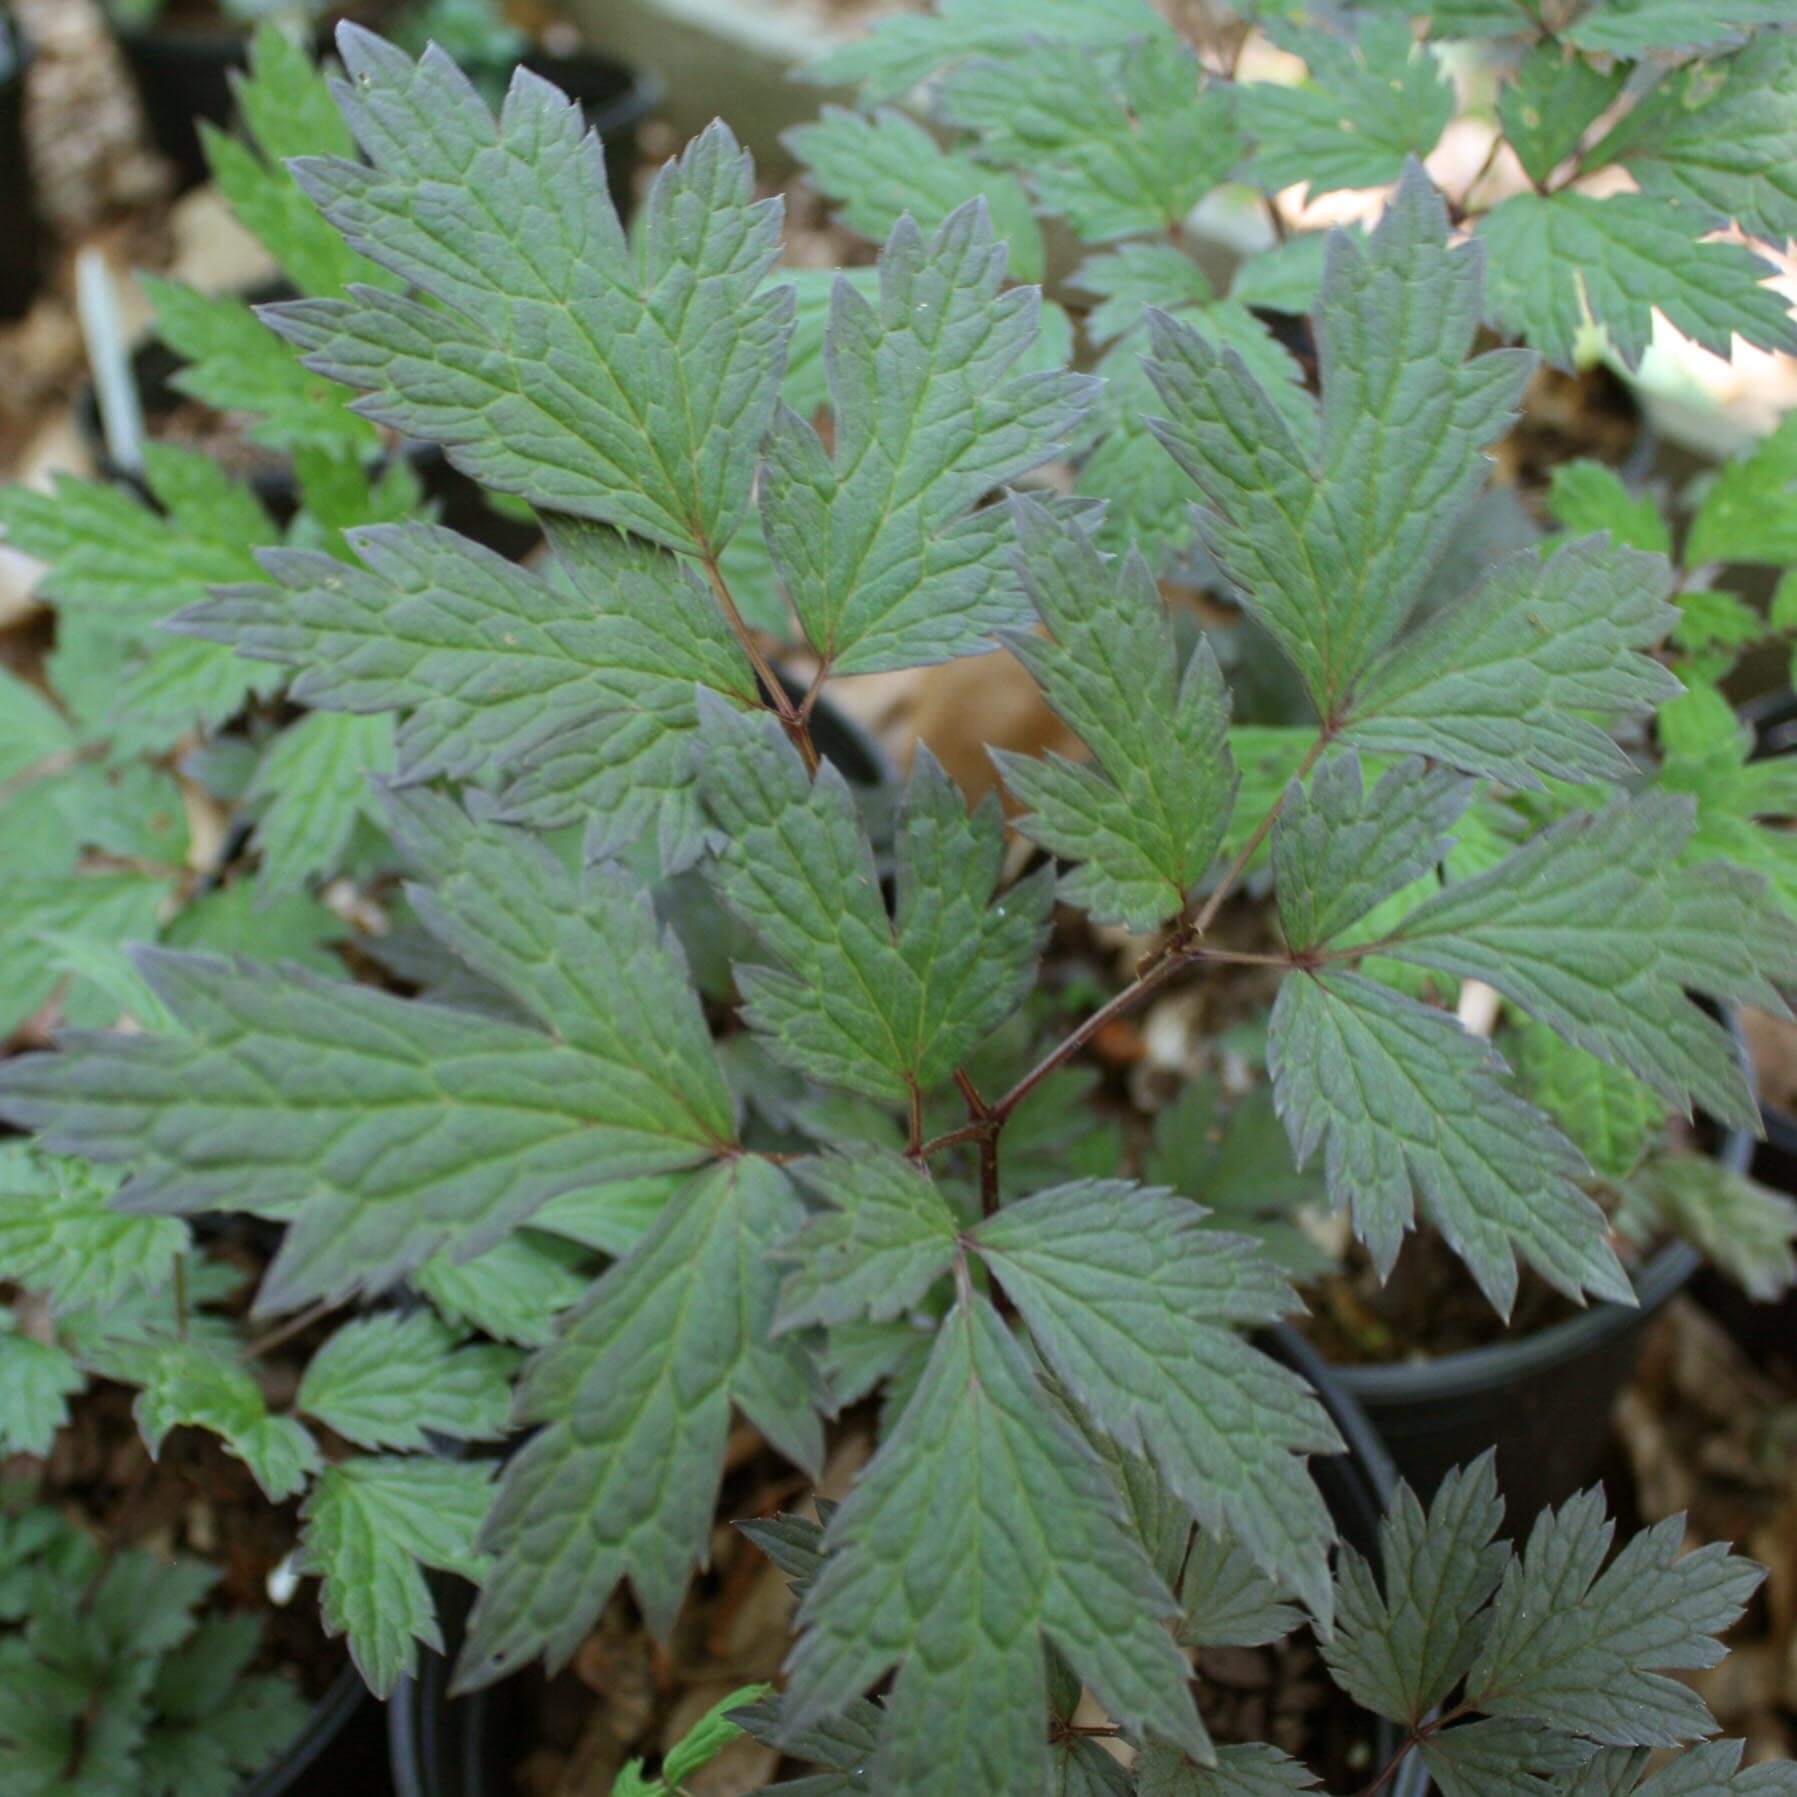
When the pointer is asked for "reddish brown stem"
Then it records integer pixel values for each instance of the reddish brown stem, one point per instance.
(795, 720)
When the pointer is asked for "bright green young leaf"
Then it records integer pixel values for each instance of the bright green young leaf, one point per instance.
(1609, 1114)
(1749, 509)
(1137, 1307)
(184, 1383)
(635, 1395)
(1341, 850)
(574, 686)
(1408, 1106)
(880, 1004)
(1524, 676)
(1368, 106)
(626, 382)
(1134, 276)
(314, 782)
(1746, 1229)
(36, 1381)
(44, 914)
(60, 1236)
(514, 1292)
(1596, 928)
(1585, 496)
(984, 1532)
(887, 1239)
(240, 919)
(907, 48)
(1405, 1637)
(1118, 159)
(1329, 531)
(876, 542)
(396, 1127)
(371, 1525)
(1583, 1646)
(1146, 823)
(285, 104)
(1225, 1600)
(1554, 100)
(32, 730)
(884, 166)
(1556, 259)
(394, 1381)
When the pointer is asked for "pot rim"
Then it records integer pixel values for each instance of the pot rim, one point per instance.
(327, 1719)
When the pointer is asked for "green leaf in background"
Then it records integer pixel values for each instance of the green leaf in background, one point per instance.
(1555, 259)
(1748, 512)
(1367, 107)
(1632, 27)
(1137, 1307)
(393, 1381)
(887, 1238)
(1610, 1115)
(882, 1005)
(1500, 1754)
(1527, 675)
(1252, 1771)
(876, 542)
(1555, 99)
(1024, 1548)
(514, 1292)
(902, 50)
(1405, 1637)
(1133, 276)
(244, 919)
(884, 166)
(60, 1236)
(1114, 159)
(1740, 1226)
(1225, 1600)
(626, 382)
(1712, 1770)
(1407, 1105)
(44, 913)
(1144, 825)
(1585, 496)
(1584, 1646)
(36, 1381)
(635, 1395)
(574, 685)
(371, 1526)
(1596, 928)
(1323, 527)
(313, 783)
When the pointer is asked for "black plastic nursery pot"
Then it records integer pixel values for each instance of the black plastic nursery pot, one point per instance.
(467, 1746)
(1543, 1402)
(339, 1748)
(21, 237)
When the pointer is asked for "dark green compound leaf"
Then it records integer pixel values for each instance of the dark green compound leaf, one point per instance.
(905, 49)
(887, 1238)
(1595, 928)
(1341, 850)
(1554, 100)
(624, 381)
(393, 1381)
(877, 543)
(1526, 676)
(1225, 1600)
(390, 1128)
(1115, 157)
(1144, 825)
(635, 1398)
(878, 1004)
(1583, 1646)
(371, 1526)
(1557, 258)
(1406, 1636)
(1502, 1756)
(1329, 525)
(574, 686)
(984, 1531)
(1369, 106)
(1137, 1307)
(1407, 1106)
(1719, 135)
(1251, 1771)
(885, 167)
(845, 1743)
(1712, 1770)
